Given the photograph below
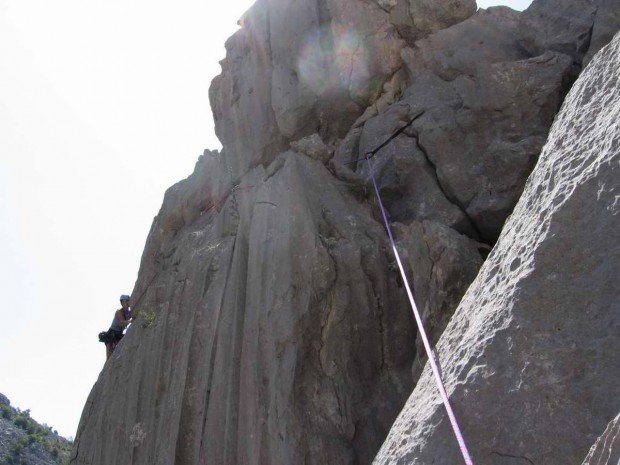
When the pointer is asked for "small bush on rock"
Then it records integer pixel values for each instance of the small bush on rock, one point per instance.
(148, 318)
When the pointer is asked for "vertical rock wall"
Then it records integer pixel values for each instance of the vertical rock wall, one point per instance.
(270, 332)
(272, 325)
(530, 356)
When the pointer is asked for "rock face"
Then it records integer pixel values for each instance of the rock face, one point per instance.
(606, 449)
(578, 28)
(487, 112)
(262, 311)
(529, 357)
(442, 263)
(298, 67)
(272, 325)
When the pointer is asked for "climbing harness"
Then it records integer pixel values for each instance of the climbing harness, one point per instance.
(416, 313)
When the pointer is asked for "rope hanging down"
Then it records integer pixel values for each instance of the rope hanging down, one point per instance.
(416, 313)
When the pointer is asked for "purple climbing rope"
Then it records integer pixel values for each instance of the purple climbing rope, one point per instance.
(416, 313)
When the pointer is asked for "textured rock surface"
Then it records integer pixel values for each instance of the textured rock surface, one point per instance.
(272, 327)
(488, 109)
(297, 67)
(574, 27)
(442, 265)
(415, 19)
(263, 311)
(306, 66)
(489, 36)
(530, 356)
(561, 25)
(314, 147)
(606, 449)
(407, 178)
(606, 24)
(483, 132)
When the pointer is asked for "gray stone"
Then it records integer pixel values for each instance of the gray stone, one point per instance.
(293, 98)
(241, 95)
(487, 113)
(305, 66)
(415, 19)
(314, 147)
(442, 264)
(344, 161)
(271, 325)
(278, 334)
(365, 54)
(530, 357)
(205, 189)
(560, 25)
(467, 48)
(574, 27)
(407, 179)
(483, 132)
(606, 25)
(296, 66)
(392, 90)
(465, 160)
(606, 449)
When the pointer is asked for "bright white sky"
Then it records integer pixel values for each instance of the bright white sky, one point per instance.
(103, 105)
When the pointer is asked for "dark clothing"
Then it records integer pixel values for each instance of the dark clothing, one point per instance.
(114, 338)
(115, 333)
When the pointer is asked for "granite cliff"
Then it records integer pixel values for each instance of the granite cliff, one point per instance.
(273, 327)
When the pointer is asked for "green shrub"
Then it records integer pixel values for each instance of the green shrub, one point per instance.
(42, 434)
(7, 412)
(148, 317)
(21, 421)
(19, 447)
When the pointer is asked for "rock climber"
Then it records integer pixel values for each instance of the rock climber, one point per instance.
(122, 318)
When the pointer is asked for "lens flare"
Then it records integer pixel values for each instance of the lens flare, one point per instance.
(334, 61)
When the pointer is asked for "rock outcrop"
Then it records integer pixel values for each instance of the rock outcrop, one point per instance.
(295, 67)
(272, 324)
(530, 356)
(606, 449)
(263, 311)
(487, 109)
(578, 28)
(23, 441)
